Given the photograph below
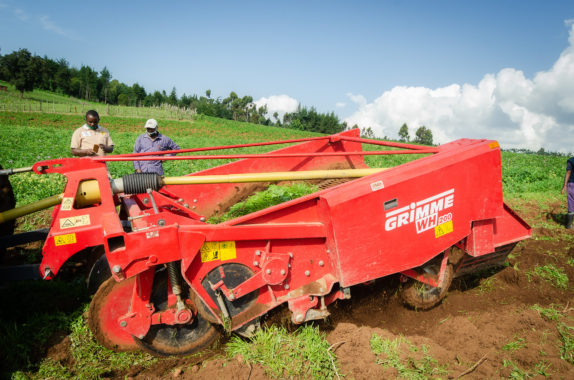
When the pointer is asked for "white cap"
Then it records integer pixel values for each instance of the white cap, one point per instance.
(151, 124)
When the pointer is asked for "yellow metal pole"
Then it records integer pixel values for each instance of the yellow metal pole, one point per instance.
(270, 177)
(30, 208)
(89, 192)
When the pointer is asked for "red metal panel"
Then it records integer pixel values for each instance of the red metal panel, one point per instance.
(481, 239)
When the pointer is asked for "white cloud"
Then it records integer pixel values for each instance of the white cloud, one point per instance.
(21, 14)
(51, 26)
(278, 103)
(517, 111)
(340, 104)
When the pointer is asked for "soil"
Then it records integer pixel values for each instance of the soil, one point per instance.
(465, 334)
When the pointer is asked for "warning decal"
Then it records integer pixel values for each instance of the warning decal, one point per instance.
(218, 250)
(75, 221)
(443, 229)
(67, 203)
(64, 239)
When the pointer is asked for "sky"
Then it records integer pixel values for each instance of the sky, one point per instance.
(496, 69)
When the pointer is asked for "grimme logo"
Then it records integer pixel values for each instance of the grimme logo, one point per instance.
(425, 213)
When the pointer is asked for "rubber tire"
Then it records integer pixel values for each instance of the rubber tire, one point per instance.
(99, 273)
(424, 297)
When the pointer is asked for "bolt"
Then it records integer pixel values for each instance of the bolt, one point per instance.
(145, 201)
(328, 250)
(185, 205)
(321, 263)
(202, 218)
(256, 263)
(180, 200)
(195, 201)
(291, 254)
(286, 286)
(258, 253)
(299, 318)
(117, 269)
(231, 296)
(307, 273)
(268, 271)
(282, 272)
(141, 336)
(288, 265)
(123, 323)
(161, 222)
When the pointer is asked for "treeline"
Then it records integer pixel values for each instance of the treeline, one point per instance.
(28, 72)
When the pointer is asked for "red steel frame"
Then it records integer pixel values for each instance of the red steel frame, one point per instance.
(306, 252)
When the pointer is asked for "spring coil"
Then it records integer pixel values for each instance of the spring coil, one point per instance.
(173, 272)
(138, 183)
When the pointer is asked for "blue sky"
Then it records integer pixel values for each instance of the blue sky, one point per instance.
(363, 60)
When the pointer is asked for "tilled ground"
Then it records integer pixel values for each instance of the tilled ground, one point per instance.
(465, 334)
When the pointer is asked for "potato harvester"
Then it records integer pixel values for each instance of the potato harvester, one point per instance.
(166, 278)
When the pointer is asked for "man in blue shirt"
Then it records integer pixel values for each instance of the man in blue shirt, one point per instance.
(152, 141)
(569, 189)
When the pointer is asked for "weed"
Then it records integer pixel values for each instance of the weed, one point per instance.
(411, 367)
(515, 345)
(549, 313)
(304, 353)
(486, 285)
(542, 368)
(516, 372)
(567, 338)
(550, 273)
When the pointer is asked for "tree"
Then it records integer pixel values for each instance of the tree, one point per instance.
(20, 69)
(172, 99)
(208, 93)
(105, 77)
(423, 136)
(404, 133)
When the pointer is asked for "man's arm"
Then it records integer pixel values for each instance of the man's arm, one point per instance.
(82, 152)
(137, 148)
(566, 178)
(172, 146)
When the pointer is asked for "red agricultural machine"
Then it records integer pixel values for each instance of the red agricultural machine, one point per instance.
(166, 278)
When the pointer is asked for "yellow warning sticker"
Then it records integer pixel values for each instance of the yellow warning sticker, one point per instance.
(227, 249)
(218, 250)
(64, 239)
(67, 204)
(75, 221)
(443, 229)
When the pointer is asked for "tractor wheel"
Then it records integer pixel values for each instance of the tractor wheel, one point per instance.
(100, 270)
(111, 301)
(185, 339)
(422, 296)
(7, 202)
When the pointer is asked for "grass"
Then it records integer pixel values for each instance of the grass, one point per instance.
(302, 354)
(410, 361)
(32, 313)
(555, 276)
(49, 102)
